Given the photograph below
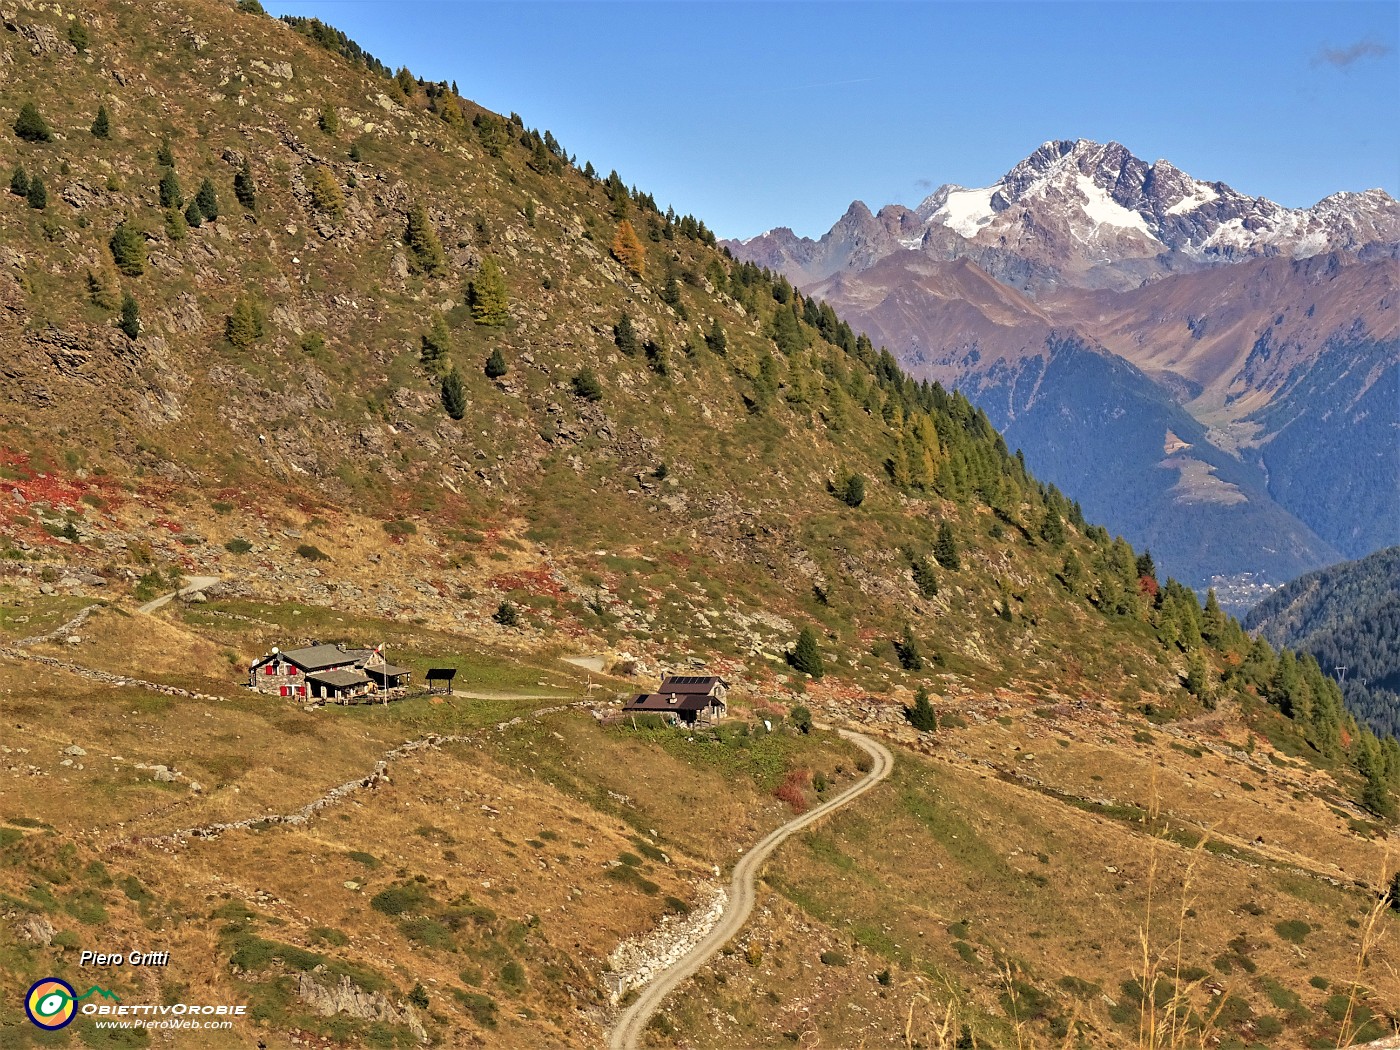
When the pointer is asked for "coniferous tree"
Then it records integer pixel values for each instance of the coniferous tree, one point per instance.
(423, 245)
(170, 195)
(244, 188)
(922, 715)
(625, 335)
(31, 126)
(194, 218)
(208, 200)
(487, 295)
(945, 548)
(175, 225)
(1052, 529)
(37, 194)
(326, 195)
(19, 182)
(852, 490)
(131, 316)
(495, 364)
(102, 124)
(454, 398)
(328, 121)
(925, 578)
(102, 288)
(911, 658)
(128, 247)
(165, 156)
(807, 654)
(78, 35)
(628, 250)
(506, 614)
(436, 345)
(585, 385)
(244, 326)
(716, 340)
(801, 719)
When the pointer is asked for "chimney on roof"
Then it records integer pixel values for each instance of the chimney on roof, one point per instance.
(340, 646)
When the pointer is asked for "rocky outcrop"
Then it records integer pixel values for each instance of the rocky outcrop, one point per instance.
(346, 997)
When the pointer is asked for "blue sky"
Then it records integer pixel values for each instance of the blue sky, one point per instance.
(754, 115)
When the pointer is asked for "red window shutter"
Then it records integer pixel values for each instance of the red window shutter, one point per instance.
(269, 669)
(286, 690)
(292, 669)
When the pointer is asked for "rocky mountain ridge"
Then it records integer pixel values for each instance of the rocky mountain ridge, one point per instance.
(1077, 213)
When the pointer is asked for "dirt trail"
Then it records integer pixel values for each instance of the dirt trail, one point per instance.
(192, 585)
(627, 1033)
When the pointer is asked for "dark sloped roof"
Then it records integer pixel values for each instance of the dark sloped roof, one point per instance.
(387, 671)
(319, 657)
(338, 679)
(668, 702)
(691, 683)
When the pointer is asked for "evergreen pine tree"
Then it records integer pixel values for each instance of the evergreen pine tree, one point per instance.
(625, 335)
(128, 246)
(716, 340)
(852, 490)
(78, 35)
(19, 182)
(454, 398)
(102, 288)
(102, 124)
(495, 364)
(244, 326)
(807, 655)
(1145, 566)
(175, 225)
(1052, 529)
(170, 195)
(945, 548)
(585, 385)
(487, 295)
(37, 194)
(131, 316)
(423, 244)
(193, 216)
(328, 121)
(165, 156)
(31, 126)
(628, 250)
(801, 719)
(437, 345)
(208, 200)
(922, 715)
(244, 188)
(925, 578)
(911, 658)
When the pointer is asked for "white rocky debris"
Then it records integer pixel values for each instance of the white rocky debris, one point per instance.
(636, 961)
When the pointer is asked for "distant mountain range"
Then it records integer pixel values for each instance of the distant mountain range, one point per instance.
(1348, 616)
(1213, 374)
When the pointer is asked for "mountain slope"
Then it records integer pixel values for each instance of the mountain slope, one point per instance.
(1348, 616)
(425, 383)
(1276, 331)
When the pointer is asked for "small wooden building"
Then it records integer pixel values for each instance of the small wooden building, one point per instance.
(689, 698)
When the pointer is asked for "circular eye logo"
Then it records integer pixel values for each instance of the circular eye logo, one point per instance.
(50, 1003)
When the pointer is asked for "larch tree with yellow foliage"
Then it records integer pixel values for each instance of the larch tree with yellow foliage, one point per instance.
(627, 248)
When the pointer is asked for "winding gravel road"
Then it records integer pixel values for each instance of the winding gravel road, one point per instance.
(192, 584)
(627, 1033)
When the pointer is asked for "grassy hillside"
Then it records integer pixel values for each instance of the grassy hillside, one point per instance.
(388, 257)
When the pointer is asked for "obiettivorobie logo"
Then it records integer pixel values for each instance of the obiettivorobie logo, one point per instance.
(52, 1003)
